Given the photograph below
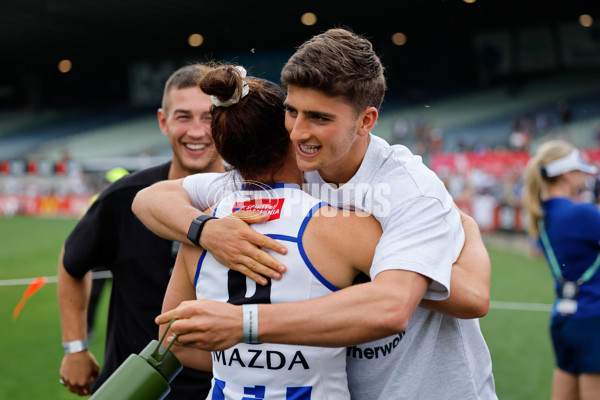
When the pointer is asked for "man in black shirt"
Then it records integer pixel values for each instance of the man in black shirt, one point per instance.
(110, 235)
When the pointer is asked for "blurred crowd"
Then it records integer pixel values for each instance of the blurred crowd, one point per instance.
(485, 177)
(46, 188)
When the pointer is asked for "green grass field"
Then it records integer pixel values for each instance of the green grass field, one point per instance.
(518, 340)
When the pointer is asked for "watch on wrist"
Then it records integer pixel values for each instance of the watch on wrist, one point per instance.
(75, 346)
(196, 228)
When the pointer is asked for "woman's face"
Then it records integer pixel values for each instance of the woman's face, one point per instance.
(577, 181)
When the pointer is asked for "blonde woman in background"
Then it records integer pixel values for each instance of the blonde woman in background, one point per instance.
(569, 233)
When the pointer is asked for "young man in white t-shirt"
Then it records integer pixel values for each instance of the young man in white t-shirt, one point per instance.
(335, 87)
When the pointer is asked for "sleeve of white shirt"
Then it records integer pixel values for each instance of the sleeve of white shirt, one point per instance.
(423, 234)
(205, 189)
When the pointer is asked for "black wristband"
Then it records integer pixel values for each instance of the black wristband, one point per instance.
(196, 228)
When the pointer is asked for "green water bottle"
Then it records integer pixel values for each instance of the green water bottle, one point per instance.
(142, 377)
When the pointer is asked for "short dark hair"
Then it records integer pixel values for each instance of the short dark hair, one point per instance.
(183, 78)
(338, 62)
(250, 135)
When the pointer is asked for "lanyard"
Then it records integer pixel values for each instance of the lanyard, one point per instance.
(555, 266)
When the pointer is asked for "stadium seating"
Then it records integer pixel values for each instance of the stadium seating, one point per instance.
(487, 115)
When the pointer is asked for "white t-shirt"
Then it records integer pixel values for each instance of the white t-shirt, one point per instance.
(422, 232)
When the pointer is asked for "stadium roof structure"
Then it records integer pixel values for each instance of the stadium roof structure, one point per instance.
(101, 36)
(35, 30)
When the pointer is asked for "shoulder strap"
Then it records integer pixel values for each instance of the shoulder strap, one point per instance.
(549, 251)
(587, 275)
(555, 266)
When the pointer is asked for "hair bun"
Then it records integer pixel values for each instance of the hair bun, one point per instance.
(223, 84)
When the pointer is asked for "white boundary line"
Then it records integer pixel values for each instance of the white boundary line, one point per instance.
(495, 305)
(509, 305)
(51, 279)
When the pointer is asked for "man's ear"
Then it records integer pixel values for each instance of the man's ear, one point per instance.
(367, 121)
(162, 120)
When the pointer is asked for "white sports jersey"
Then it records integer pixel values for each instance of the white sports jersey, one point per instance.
(272, 371)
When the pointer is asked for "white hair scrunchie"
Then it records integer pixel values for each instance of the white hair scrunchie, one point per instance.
(236, 96)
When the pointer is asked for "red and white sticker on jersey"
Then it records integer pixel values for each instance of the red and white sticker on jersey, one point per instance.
(271, 207)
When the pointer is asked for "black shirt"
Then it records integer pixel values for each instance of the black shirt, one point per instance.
(110, 235)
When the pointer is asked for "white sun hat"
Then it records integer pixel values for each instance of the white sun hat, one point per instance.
(570, 162)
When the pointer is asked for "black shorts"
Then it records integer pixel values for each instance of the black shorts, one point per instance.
(576, 344)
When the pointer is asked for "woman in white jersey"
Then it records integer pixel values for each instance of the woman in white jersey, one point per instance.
(249, 133)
